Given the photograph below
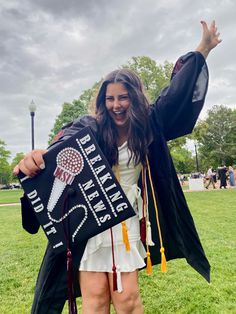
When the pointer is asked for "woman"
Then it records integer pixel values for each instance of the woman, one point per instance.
(222, 172)
(133, 137)
(231, 176)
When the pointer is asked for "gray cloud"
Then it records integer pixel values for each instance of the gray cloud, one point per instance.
(52, 50)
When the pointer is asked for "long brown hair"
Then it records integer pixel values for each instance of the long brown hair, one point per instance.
(138, 115)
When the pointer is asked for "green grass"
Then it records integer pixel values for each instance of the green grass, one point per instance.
(181, 290)
(10, 196)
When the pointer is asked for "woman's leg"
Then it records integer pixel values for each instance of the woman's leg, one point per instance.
(95, 292)
(129, 300)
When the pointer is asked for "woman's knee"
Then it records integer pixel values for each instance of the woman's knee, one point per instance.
(128, 302)
(94, 289)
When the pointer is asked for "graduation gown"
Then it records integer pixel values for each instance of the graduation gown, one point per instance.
(174, 114)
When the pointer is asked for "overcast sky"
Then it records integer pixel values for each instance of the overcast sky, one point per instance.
(52, 50)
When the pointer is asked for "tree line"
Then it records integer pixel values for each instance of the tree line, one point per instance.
(7, 167)
(214, 136)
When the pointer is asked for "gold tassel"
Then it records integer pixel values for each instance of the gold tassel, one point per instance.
(162, 250)
(163, 260)
(149, 264)
(124, 227)
(125, 236)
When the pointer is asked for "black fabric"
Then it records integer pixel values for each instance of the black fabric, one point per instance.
(222, 171)
(51, 287)
(29, 220)
(178, 106)
(174, 114)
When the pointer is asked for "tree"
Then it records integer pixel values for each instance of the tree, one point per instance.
(153, 76)
(74, 110)
(216, 136)
(14, 162)
(183, 159)
(5, 170)
(17, 159)
(178, 142)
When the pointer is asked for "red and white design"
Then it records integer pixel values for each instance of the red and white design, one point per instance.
(69, 164)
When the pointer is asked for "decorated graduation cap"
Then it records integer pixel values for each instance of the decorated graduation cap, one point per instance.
(77, 195)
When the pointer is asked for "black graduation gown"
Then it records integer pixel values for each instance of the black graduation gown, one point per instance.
(222, 171)
(174, 114)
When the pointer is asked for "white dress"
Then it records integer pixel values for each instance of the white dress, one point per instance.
(98, 252)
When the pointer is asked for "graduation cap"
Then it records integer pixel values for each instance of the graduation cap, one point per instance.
(77, 195)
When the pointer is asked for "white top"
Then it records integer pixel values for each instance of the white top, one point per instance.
(209, 173)
(98, 254)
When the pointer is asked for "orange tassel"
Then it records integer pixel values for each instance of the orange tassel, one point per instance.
(162, 250)
(149, 264)
(125, 236)
(163, 260)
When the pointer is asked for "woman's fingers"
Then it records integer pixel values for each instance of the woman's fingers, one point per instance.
(37, 156)
(16, 170)
(204, 25)
(210, 35)
(213, 25)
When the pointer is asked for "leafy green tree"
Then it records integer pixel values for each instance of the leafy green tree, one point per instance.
(17, 159)
(153, 76)
(178, 142)
(74, 110)
(216, 136)
(5, 170)
(14, 162)
(183, 159)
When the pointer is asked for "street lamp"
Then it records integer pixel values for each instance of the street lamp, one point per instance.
(32, 109)
(196, 155)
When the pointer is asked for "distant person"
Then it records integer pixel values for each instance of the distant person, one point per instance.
(231, 176)
(222, 171)
(214, 175)
(210, 175)
(182, 177)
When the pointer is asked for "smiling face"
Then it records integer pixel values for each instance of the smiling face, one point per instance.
(118, 104)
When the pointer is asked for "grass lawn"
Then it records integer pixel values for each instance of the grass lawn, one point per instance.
(10, 196)
(181, 290)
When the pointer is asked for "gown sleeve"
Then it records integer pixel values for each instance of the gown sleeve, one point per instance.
(179, 105)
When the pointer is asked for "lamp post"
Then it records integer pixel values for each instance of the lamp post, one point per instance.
(196, 155)
(32, 109)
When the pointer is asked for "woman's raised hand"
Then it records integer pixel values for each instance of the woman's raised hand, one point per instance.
(210, 38)
(32, 163)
